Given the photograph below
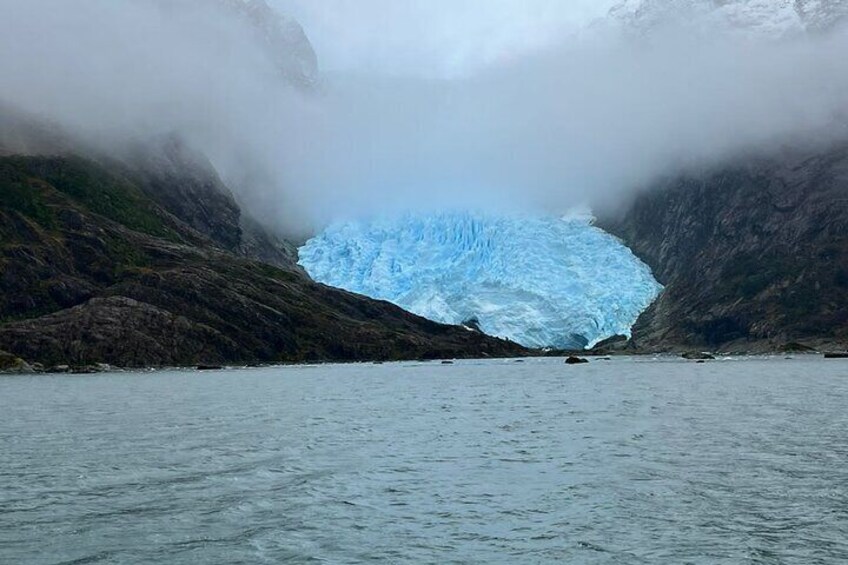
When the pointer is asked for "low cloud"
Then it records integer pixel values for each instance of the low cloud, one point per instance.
(585, 121)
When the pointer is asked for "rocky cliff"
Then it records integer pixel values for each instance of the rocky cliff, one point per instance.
(753, 255)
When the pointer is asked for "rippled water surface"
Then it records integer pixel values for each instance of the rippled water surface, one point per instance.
(623, 461)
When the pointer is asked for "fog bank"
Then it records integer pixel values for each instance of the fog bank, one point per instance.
(581, 121)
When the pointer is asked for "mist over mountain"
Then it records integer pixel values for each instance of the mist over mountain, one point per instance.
(228, 77)
(585, 119)
(436, 38)
(283, 39)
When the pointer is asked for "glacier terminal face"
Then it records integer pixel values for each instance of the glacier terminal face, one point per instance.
(539, 281)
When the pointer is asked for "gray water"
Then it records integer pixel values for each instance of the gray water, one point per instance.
(623, 461)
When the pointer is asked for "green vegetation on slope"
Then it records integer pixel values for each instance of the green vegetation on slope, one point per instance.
(19, 194)
(86, 183)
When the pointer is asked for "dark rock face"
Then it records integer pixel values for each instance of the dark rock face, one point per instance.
(93, 269)
(771, 19)
(755, 253)
(822, 15)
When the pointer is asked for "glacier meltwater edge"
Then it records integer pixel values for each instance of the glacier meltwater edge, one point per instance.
(539, 281)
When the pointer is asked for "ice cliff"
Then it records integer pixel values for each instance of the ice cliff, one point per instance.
(540, 281)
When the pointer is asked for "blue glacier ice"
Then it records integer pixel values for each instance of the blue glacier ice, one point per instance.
(540, 281)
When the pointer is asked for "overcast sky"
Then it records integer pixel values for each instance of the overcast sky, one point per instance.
(434, 37)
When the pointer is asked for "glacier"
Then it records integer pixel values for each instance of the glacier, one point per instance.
(544, 282)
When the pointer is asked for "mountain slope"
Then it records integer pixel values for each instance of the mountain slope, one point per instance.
(93, 270)
(753, 255)
(185, 184)
(180, 181)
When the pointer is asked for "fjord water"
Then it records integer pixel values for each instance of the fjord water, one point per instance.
(621, 461)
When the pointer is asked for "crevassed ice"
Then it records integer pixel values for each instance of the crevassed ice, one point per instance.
(539, 281)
